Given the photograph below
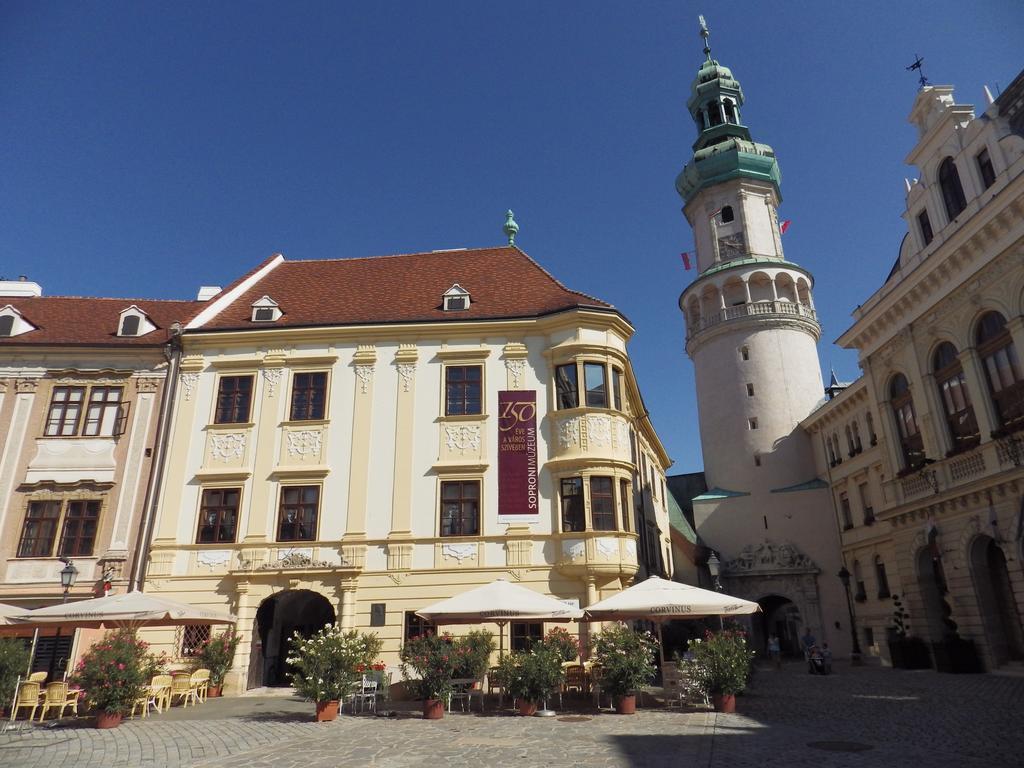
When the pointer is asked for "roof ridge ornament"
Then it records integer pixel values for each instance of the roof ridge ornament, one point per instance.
(918, 62)
(705, 33)
(510, 228)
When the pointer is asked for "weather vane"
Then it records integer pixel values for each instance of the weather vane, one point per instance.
(705, 34)
(918, 62)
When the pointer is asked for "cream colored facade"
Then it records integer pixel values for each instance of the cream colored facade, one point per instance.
(379, 458)
(947, 492)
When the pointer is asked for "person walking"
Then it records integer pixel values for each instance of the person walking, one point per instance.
(775, 650)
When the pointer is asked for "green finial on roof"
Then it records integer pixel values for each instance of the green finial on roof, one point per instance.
(705, 34)
(511, 228)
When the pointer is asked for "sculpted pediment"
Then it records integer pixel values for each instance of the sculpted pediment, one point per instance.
(769, 557)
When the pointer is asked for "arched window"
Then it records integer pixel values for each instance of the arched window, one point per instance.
(830, 453)
(881, 578)
(872, 437)
(130, 325)
(849, 442)
(730, 112)
(949, 378)
(861, 593)
(839, 452)
(857, 445)
(714, 114)
(727, 214)
(906, 422)
(1002, 369)
(952, 191)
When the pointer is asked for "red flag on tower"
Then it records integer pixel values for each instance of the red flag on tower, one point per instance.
(784, 226)
(686, 259)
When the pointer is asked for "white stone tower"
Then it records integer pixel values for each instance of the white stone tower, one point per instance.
(752, 333)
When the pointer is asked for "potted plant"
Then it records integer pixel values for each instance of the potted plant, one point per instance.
(721, 666)
(626, 659)
(472, 654)
(14, 658)
(326, 665)
(567, 645)
(531, 676)
(217, 654)
(428, 662)
(114, 674)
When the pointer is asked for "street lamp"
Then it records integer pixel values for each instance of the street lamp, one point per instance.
(715, 568)
(844, 576)
(68, 576)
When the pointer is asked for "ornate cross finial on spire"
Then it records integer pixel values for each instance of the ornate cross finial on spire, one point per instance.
(705, 34)
(510, 228)
(918, 61)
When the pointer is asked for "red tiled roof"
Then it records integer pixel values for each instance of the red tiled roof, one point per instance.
(85, 321)
(502, 282)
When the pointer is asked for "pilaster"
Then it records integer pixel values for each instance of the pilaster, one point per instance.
(405, 421)
(171, 514)
(363, 363)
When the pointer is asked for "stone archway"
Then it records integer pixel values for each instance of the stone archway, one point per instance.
(996, 605)
(277, 619)
(780, 616)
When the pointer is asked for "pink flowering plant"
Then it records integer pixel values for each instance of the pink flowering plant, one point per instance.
(722, 662)
(564, 642)
(217, 655)
(114, 672)
(428, 663)
(329, 665)
(626, 657)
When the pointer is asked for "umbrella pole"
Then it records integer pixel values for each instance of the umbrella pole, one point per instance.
(661, 647)
(32, 654)
(501, 640)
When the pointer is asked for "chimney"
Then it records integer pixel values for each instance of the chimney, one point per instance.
(207, 292)
(20, 288)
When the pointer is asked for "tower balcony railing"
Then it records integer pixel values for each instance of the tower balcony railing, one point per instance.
(757, 308)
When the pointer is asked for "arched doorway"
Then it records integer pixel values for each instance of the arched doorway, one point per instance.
(996, 603)
(277, 619)
(931, 580)
(780, 616)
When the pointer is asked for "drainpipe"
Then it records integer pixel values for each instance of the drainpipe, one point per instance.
(156, 474)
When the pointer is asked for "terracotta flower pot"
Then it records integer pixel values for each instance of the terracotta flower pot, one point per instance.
(626, 705)
(433, 709)
(214, 691)
(108, 720)
(723, 702)
(527, 708)
(326, 711)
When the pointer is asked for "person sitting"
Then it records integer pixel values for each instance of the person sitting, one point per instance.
(815, 661)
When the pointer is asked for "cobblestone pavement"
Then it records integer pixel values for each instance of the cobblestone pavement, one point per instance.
(857, 717)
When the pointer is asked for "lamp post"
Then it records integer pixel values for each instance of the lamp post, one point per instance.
(68, 577)
(715, 568)
(844, 576)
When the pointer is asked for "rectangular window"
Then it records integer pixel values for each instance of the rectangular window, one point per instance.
(79, 533)
(572, 505)
(218, 515)
(525, 633)
(869, 636)
(750, 390)
(463, 392)
(844, 508)
(299, 509)
(193, 638)
(883, 579)
(40, 529)
(602, 503)
(617, 402)
(104, 407)
(988, 173)
(309, 396)
(624, 494)
(751, 423)
(926, 227)
(65, 410)
(865, 503)
(567, 386)
(234, 397)
(460, 508)
(416, 626)
(597, 390)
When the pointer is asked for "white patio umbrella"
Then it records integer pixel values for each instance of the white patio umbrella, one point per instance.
(131, 609)
(498, 602)
(7, 611)
(661, 600)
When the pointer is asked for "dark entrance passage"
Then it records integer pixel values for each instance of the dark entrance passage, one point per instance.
(779, 615)
(277, 619)
(995, 600)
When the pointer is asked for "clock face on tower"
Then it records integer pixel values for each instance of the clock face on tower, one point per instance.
(732, 246)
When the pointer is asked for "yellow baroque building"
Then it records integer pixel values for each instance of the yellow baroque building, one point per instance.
(355, 439)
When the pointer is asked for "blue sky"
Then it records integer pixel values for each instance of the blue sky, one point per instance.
(151, 147)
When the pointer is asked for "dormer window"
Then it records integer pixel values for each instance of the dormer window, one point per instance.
(12, 323)
(134, 322)
(456, 299)
(265, 310)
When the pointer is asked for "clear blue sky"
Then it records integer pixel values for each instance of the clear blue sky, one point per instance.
(148, 148)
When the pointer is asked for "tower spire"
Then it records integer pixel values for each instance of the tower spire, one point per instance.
(705, 33)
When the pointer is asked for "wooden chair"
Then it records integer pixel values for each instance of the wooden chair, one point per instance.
(160, 691)
(28, 697)
(200, 682)
(576, 679)
(37, 677)
(493, 685)
(181, 688)
(58, 696)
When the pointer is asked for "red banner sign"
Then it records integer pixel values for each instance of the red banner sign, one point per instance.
(517, 453)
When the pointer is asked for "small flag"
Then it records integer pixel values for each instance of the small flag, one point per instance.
(784, 226)
(686, 259)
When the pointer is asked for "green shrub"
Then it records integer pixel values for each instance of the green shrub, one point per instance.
(217, 654)
(626, 658)
(531, 675)
(722, 662)
(14, 659)
(472, 654)
(327, 664)
(428, 663)
(568, 646)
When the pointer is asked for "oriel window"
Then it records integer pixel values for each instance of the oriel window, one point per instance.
(567, 386)
(309, 396)
(617, 401)
(602, 503)
(624, 495)
(572, 505)
(463, 390)
(234, 398)
(597, 389)
(297, 516)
